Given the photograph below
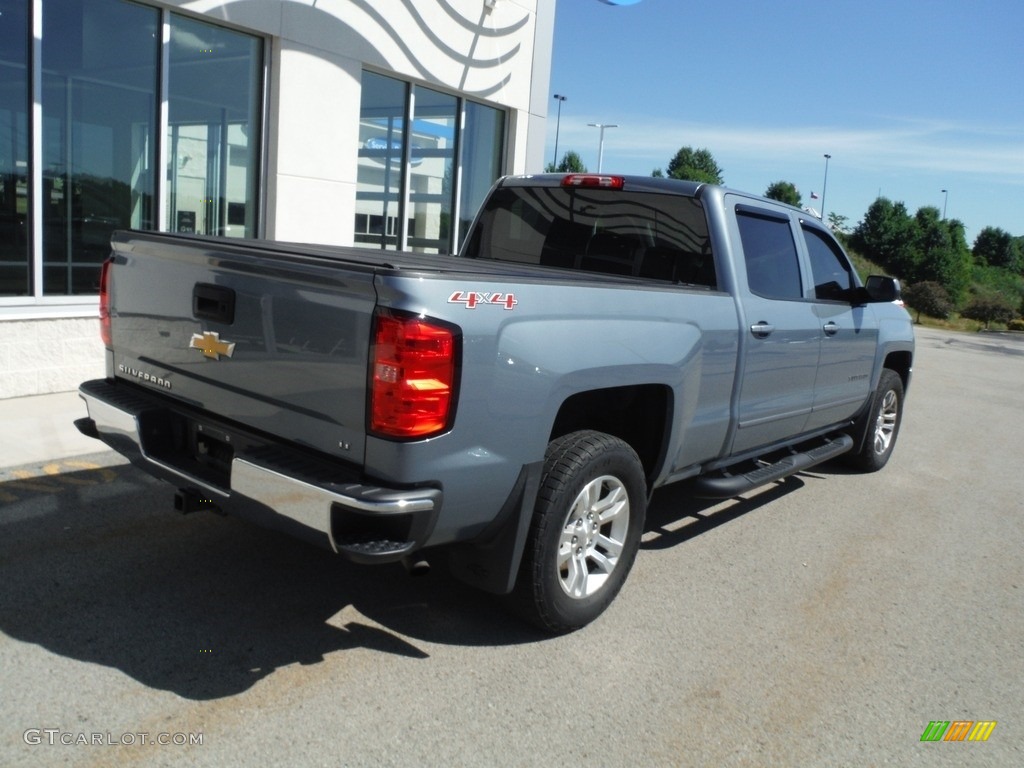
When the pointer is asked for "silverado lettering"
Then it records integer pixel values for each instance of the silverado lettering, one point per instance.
(149, 378)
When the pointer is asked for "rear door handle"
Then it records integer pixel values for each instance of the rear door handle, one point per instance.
(830, 328)
(762, 330)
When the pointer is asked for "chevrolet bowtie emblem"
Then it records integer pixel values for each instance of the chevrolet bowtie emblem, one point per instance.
(211, 346)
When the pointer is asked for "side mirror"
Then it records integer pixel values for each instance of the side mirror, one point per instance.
(878, 289)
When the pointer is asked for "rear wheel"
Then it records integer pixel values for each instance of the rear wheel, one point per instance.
(882, 424)
(585, 532)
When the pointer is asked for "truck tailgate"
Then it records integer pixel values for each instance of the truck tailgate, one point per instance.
(272, 339)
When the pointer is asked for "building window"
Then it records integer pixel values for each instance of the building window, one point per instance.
(381, 133)
(212, 132)
(482, 145)
(431, 171)
(15, 275)
(99, 90)
(92, 163)
(415, 144)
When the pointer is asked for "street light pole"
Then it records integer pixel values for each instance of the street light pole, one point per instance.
(558, 125)
(600, 146)
(824, 186)
(945, 199)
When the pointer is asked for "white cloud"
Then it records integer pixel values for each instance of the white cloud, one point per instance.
(917, 145)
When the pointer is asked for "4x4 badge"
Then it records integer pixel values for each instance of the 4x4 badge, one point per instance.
(211, 346)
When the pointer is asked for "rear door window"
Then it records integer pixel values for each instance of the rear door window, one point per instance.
(773, 266)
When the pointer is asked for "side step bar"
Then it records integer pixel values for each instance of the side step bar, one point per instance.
(728, 486)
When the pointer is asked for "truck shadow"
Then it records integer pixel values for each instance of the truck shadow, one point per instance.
(97, 567)
(675, 516)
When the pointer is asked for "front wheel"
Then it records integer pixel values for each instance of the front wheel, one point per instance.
(882, 424)
(585, 532)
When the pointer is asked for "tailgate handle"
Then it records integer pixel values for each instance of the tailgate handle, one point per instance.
(213, 302)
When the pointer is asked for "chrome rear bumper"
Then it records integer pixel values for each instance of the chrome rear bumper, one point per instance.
(313, 498)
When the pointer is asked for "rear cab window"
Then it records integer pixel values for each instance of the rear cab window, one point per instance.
(638, 234)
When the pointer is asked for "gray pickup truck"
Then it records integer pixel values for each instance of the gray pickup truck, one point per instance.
(511, 408)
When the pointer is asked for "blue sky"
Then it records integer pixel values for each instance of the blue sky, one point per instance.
(908, 97)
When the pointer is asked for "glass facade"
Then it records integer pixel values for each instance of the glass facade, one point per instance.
(14, 149)
(92, 164)
(410, 187)
(118, 114)
(99, 91)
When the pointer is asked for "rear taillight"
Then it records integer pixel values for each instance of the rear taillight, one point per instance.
(105, 303)
(412, 376)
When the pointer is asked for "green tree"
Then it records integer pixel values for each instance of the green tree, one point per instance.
(989, 308)
(838, 223)
(571, 163)
(885, 236)
(994, 247)
(940, 252)
(784, 192)
(695, 165)
(928, 297)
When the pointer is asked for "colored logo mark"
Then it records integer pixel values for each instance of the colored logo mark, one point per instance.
(210, 344)
(958, 730)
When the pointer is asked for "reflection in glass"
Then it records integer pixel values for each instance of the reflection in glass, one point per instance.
(432, 168)
(434, 140)
(482, 145)
(381, 125)
(14, 149)
(99, 105)
(212, 160)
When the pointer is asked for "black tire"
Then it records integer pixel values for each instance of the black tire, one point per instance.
(881, 425)
(585, 532)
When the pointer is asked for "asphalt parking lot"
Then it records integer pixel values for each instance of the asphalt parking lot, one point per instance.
(824, 621)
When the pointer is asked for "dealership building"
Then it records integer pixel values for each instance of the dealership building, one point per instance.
(374, 123)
